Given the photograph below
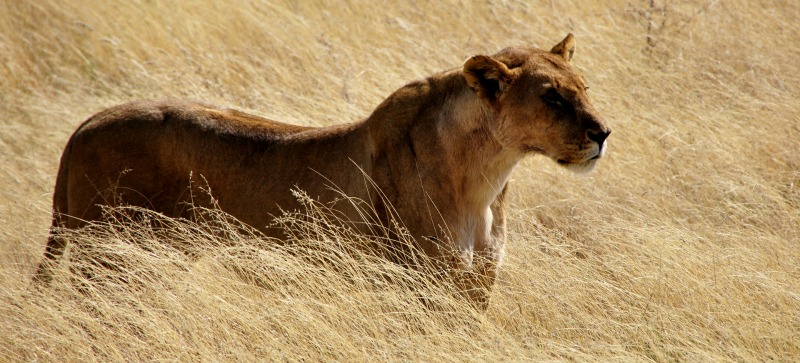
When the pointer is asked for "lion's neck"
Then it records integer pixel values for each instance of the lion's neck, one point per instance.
(477, 165)
(465, 129)
(442, 125)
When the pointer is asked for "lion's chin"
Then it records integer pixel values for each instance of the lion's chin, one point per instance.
(582, 167)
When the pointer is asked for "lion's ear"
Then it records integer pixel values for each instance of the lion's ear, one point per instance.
(566, 48)
(487, 76)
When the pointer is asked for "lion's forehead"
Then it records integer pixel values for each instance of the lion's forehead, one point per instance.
(542, 65)
(568, 82)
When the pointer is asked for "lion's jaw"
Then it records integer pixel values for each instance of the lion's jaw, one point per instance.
(585, 164)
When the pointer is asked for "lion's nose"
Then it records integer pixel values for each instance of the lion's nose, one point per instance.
(598, 136)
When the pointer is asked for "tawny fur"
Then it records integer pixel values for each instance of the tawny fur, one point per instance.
(436, 155)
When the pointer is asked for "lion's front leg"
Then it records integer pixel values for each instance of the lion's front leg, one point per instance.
(475, 282)
(476, 269)
(487, 256)
(479, 285)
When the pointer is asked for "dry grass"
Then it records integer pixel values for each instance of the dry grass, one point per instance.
(682, 246)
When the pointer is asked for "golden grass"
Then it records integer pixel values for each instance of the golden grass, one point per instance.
(682, 246)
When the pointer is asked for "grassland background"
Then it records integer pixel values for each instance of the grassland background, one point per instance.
(682, 246)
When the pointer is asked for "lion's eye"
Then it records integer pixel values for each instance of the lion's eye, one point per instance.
(553, 98)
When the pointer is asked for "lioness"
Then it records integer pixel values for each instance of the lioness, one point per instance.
(435, 156)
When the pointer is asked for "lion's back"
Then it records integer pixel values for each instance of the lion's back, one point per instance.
(185, 114)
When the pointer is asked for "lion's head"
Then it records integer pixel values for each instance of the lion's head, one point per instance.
(541, 103)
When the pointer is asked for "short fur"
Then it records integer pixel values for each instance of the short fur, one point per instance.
(439, 150)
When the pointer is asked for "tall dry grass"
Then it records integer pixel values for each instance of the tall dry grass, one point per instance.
(682, 246)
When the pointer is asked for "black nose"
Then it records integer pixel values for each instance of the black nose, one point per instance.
(598, 136)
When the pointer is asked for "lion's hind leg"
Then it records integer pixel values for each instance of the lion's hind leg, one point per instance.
(56, 244)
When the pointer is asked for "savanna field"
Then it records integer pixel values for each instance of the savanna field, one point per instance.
(683, 244)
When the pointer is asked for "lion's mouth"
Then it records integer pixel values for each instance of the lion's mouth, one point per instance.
(567, 162)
